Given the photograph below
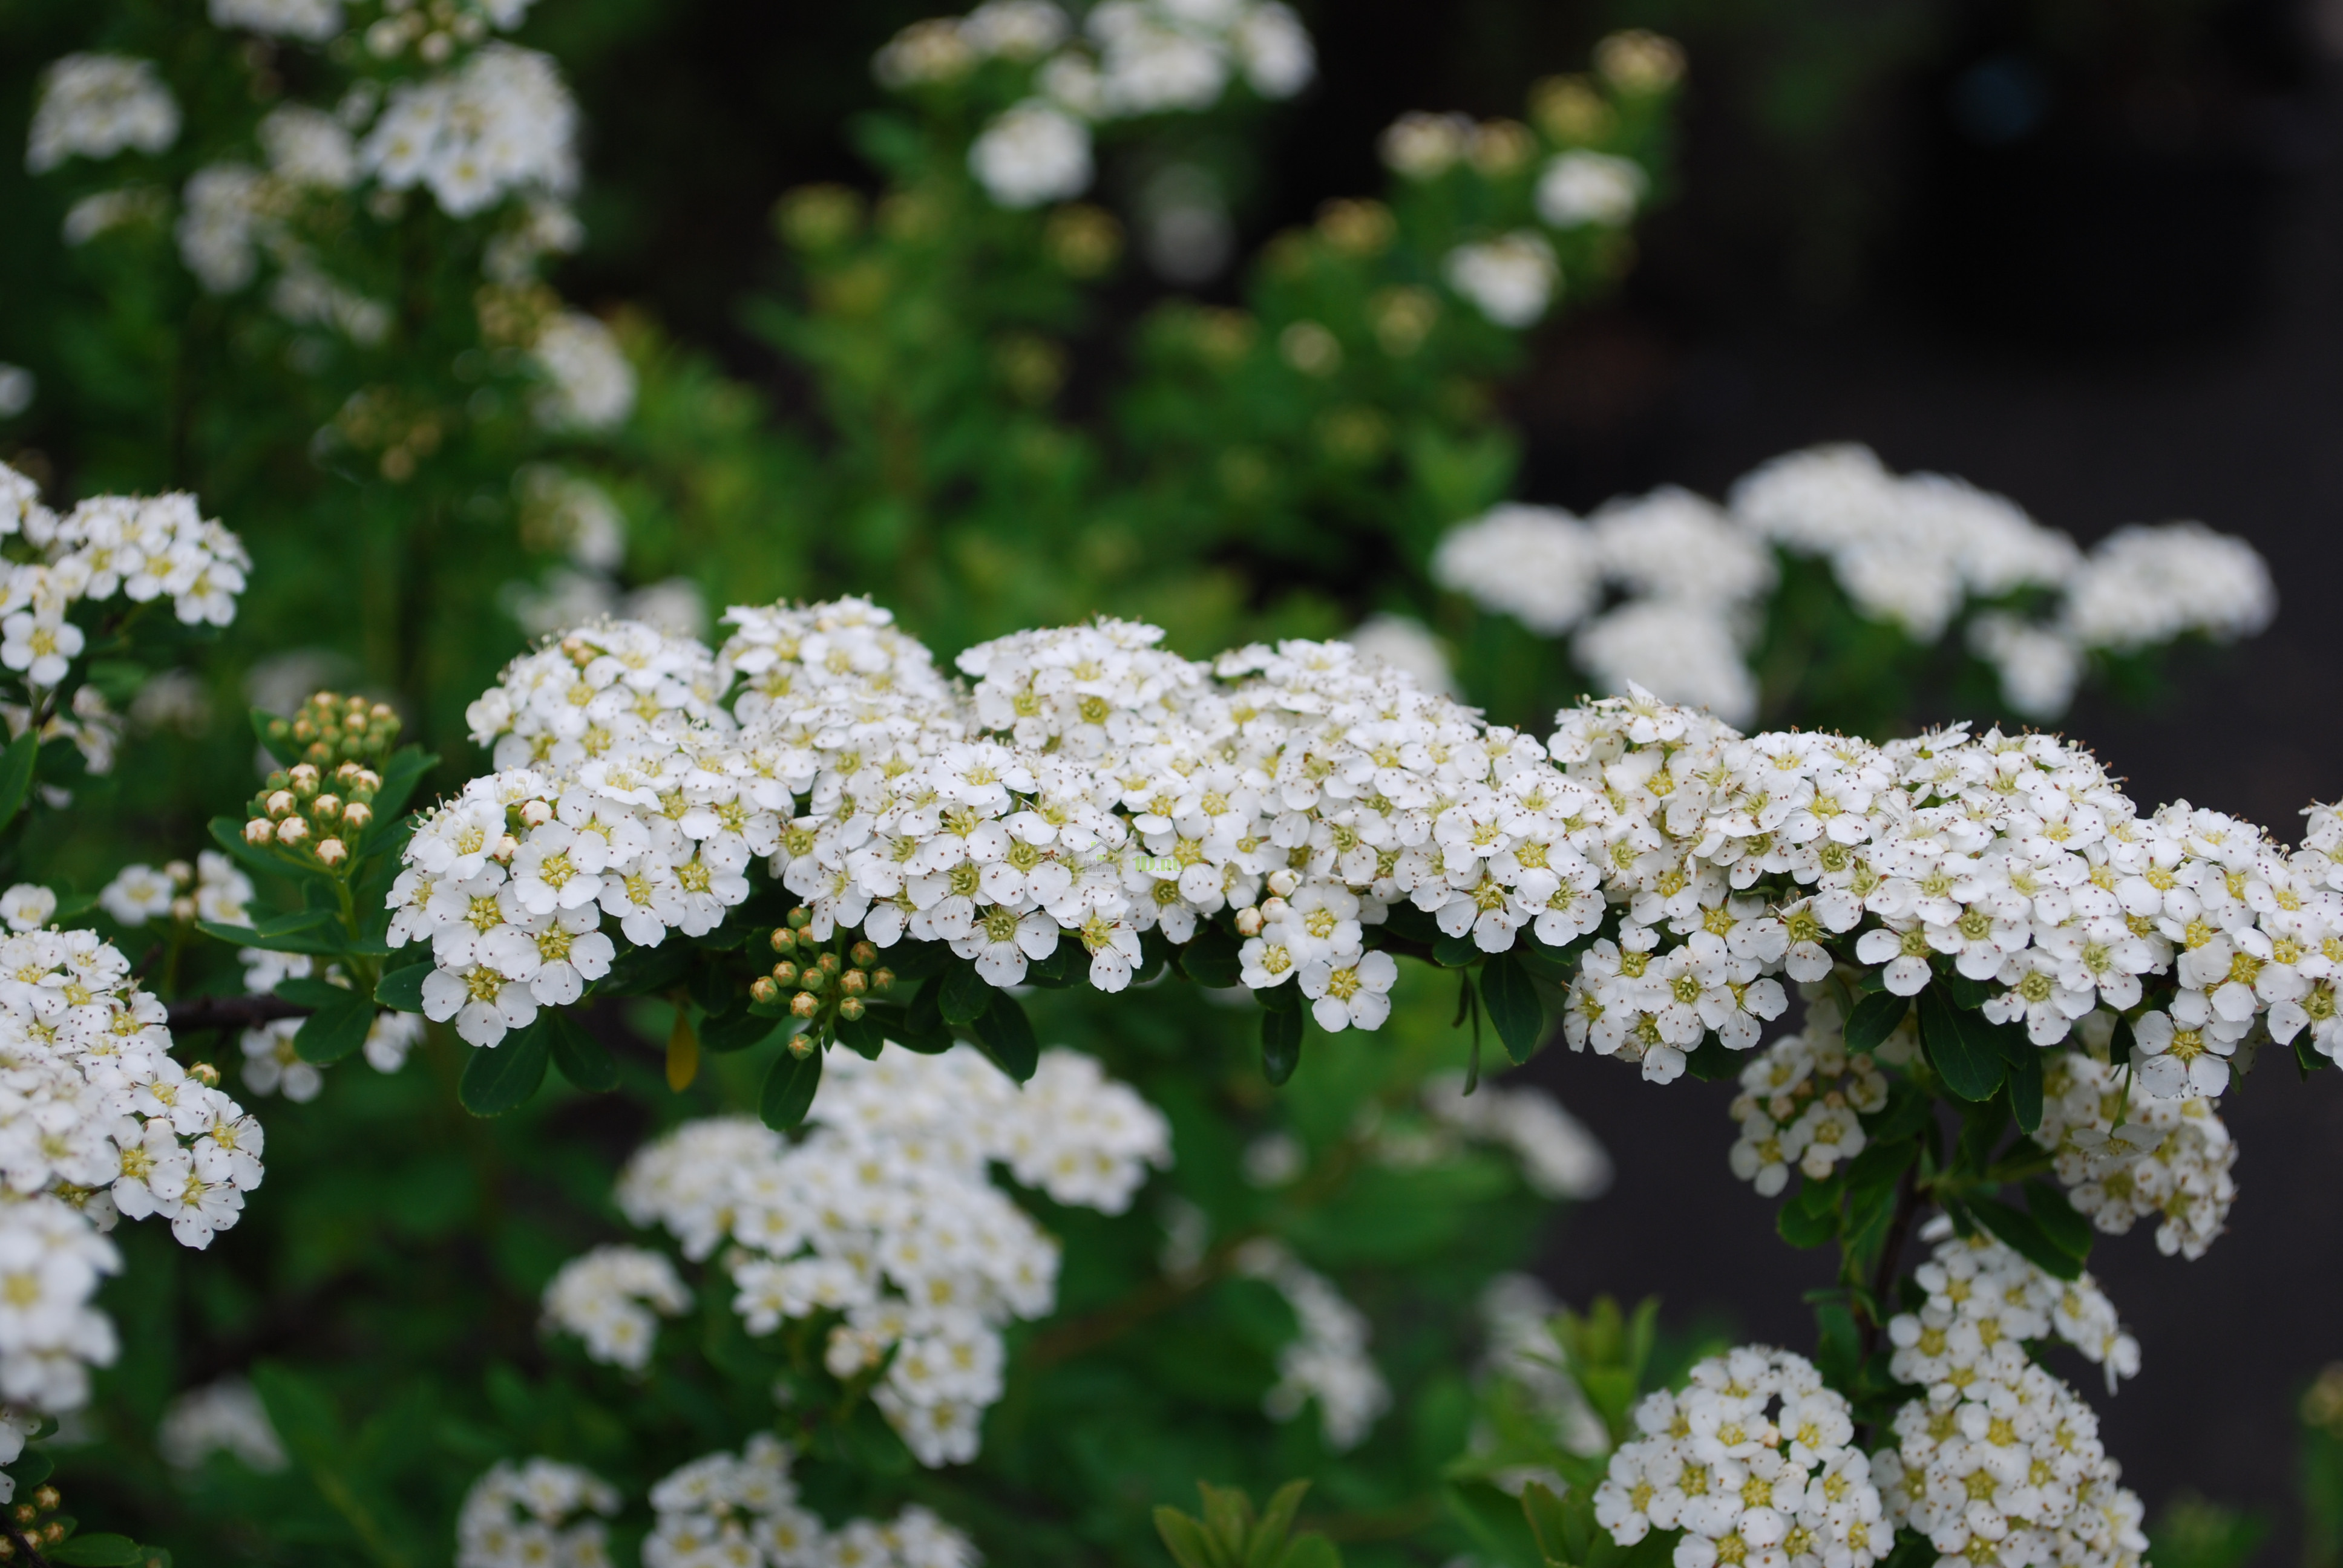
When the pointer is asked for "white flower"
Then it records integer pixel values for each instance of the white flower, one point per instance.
(1536, 564)
(137, 894)
(501, 125)
(485, 1003)
(96, 105)
(223, 1417)
(1683, 650)
(17, 386)
(27, 906)
(2142, 585)
(591, 386)
(608, 1298)
(2179, 1063)
(1031, 153)
(311, 21)
(1510, 279)
(537, 1514)
(1347, 994)
(40, 646)
(1581, 187)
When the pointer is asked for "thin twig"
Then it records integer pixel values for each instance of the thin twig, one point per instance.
(16, 1539)
(1908, 1207)
(233, 1012)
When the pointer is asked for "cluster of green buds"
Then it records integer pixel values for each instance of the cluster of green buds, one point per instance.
(34, 1523)
(818, 979)
(330, 729)
(309, 811)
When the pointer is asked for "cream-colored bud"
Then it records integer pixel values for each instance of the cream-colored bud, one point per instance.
(180, 873)
(304, 781)
(283, 804)
(507, 846)
(205, 1073)
(1249, 922)
(293, 831)
(763, 992)
(536, 813)
(333, 852)
(1273, 909)
(1283, 881)
(805, 1004)
(357, 815)
(183, 910)
(327, 808)
(259, 830)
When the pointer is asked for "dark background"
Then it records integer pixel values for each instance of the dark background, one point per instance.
(2083, 253)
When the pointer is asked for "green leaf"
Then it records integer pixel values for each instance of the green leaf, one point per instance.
(582, 1059)
(1966, 994)
(881, 1021)
(32, 1468)
(1513, 1007)
(1548, 1524)
(1211, 960)
(1276, 1523)
(2025, 1237)
(227, 832)
(1311, 1550)
(401, 989)
(1454, 953)
(1006, 1035)
(1909, 1110)
(965, 995)
(506, 1075)
(1186, 1539)
(1875, 1017)
(285, 748)
(400, 775)
(16, 774)
(2065, 1230)
(337, 1028)
(97, 1551)
(1495, 1522)
(789, 1089)
(1280, 1045)
(1810, 1217)
(309, 931)
(2025, 1077)
(736, 1030)
(1961, 1047)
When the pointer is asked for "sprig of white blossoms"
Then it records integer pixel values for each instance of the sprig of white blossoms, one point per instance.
(613, 1298)
(539, 1513)
(140, 548)
(99, 105)
(223, 1417)
(1326, 1364)
(884, 1213)
(2007, 1468)
(2127, 1157)
(742, 1511)
(1755, 1463)
(1132, 58)
(1914, 551)
(96, 1120)
(1802, 1099)
(1983, 1304)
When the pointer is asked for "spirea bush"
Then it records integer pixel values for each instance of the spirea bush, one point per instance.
(767, 1094)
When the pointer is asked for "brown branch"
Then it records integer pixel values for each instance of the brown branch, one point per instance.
(1907, 1208)
(16, 1539)
(204, 1012)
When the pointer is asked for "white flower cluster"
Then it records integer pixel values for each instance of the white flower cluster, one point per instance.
(500, 125)
(2015, 859)
(590, 385)
(1327, 1362)
(1517, 1313)
(728, 1511)
(2127, 1158)
(1913, 551)
(884, 1213)
(1755, 1463)
(310, 21)
(1802, 1099)
(2007, 1468)
(537, 1514)
(1512, 279)
(96, 105)
(613, 1299)
(97, 1120)
(223, 1417)
(1984, 1304)
(137, 548)
(1559, 1157)
(1686, 578)
(1135, 58)
(272, 1063)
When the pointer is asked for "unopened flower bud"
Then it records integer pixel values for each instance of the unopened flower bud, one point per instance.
(259, 830)
(784, 938)
(205, 1073)
(180, 873)
(1249, 922)
(814, 979)
(536, 813)
(283, 804)
(764, 991)
(1283, 881)
(367, 782)
(333, 852)
(800, 1046)
(800, 918)
(785, 972)
(46, 1497)
(883, 980)
(854, 982)
(25, 1513)
(850, 1008)
(183, 909)
(327, 808)
(805, 1004)
(1273, 909)
(304, 780)
(53, 1532)
(357, 815)
(830, 964)
(864, 954)
(292, 830)
(507, 846)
